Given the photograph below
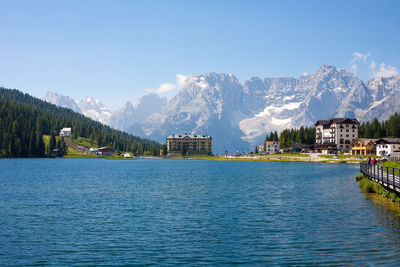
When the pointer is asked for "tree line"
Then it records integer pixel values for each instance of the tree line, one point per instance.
(25, 119)
(376, 129)
(303, 135)
(306, 135)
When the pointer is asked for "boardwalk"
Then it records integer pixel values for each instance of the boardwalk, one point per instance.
(387, 176)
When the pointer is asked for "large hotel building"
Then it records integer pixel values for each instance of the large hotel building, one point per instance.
(191, 145)
(335, 134)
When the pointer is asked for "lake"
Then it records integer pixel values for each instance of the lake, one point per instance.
(174, 212)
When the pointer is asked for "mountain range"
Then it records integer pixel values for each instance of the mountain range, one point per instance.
(238, 115)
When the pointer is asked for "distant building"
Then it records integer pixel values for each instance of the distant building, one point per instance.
(126, 155)
(295, 147)
(105, 151)
(93, 150)
(335, 134)
(65, 132)
(386, 146)
(192, 145)
(271, 147)
(363, 146)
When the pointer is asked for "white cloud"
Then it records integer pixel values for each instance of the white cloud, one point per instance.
(181, 79)
(357, 56)
(354, 68)
(384, 70)
(169, 87)
(164, 88)
(372, 66)
(376, 70)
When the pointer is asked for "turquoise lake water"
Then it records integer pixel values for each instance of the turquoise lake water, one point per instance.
(173, 212)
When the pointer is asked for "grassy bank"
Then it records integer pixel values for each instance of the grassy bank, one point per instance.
(72, 153)
(392, 164)
(274, 158)
(368, 186)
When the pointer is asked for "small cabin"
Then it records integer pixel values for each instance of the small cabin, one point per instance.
(65, 132)
(363, 146)
(126, 155)
(387, 146)
(105, 151)
(93, 151)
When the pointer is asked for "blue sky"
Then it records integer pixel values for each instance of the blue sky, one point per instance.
(119, 50)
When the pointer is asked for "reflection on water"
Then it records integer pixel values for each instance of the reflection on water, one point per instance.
(173, 212)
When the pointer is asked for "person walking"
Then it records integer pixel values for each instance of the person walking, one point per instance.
(369, 160)
(373, 161)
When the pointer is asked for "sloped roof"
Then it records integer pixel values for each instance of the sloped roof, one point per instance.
(322, 122)
(105, 148)
(387, 140)
(270, 143)
(365, 141)
(337, 121)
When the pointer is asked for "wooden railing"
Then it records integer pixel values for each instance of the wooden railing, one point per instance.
(389, 177)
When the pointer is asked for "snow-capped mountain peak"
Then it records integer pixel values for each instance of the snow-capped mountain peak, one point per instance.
(238, 115)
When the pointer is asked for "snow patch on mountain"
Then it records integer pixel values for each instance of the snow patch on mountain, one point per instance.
(238, 115)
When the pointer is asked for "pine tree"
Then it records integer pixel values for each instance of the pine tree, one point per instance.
(32, 144)
(40, 147)
(275, 137)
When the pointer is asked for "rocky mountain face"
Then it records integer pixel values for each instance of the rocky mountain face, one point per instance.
(207, 104)
(62, 101)
(128, 115)
(120, 119)
(238, 115)
(90, 106)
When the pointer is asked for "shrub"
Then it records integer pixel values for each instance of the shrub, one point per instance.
(359, 177)
(369, 186)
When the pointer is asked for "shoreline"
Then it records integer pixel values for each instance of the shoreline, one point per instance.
(275, 158)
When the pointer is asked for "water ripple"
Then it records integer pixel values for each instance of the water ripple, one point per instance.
(174, 212)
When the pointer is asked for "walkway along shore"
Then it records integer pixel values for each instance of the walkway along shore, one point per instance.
(389, 177)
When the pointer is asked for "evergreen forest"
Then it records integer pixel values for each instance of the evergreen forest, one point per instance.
(24, 120)
(376, 129)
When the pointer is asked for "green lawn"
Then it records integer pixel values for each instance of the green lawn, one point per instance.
(71, 153)
(339, 156)
(289, 155)
(392, 164)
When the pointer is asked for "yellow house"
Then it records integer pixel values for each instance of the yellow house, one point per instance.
(363, 146)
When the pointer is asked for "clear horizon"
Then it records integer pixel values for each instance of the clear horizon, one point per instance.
(119, 51)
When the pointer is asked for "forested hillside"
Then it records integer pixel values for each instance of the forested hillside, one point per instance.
(25, 119)
(304, 135)
(376, 129)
